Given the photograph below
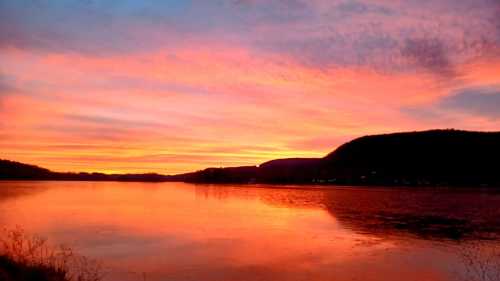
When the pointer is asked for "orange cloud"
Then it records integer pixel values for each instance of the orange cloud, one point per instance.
(177, 110)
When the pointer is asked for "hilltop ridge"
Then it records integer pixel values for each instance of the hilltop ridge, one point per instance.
(426, 158)
(434, 157)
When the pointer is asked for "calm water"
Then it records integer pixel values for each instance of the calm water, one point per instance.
(176, 231)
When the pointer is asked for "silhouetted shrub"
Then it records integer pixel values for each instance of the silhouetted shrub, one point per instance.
(30, 258)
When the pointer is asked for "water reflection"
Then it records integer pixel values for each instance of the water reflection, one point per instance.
(191, 232)
(432, 214)
(13, 189)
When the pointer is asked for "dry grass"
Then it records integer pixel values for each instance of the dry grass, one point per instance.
(26, 257)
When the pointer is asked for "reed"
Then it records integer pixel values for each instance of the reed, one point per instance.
(26, 257)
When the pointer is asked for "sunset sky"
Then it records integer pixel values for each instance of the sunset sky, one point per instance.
(174, 86)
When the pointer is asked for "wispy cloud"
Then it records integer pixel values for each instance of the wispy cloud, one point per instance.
(430, 54)
(6, 85)
(481, 101)
(474, 105)
(318, 33)
(238, 82)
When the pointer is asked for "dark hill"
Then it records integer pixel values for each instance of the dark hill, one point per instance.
(428, 158)
(10, 170)
(436, 157)
(16, 170)
(290, 170)
(245, 174)
(448, 157)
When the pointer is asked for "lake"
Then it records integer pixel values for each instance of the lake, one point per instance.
(178, 231)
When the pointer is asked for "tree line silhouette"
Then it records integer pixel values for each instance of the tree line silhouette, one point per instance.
(427, 158)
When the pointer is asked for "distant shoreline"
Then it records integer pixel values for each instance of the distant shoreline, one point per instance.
(435, 158)
(299, 186)
(278, 185)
